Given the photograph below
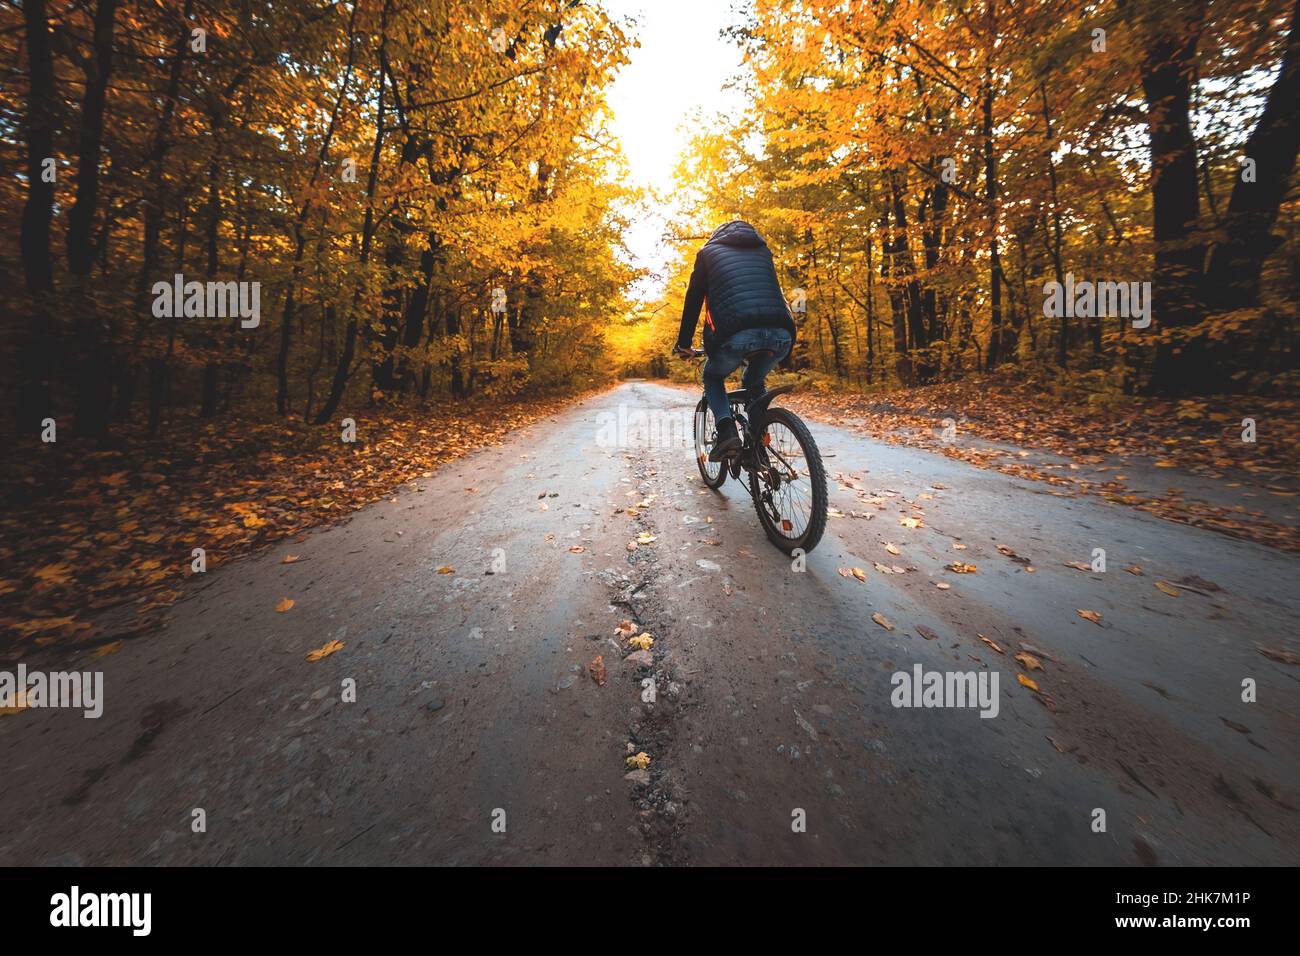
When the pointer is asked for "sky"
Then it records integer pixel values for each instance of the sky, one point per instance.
(682, 65)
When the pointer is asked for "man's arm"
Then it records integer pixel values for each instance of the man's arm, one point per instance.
(696, 290)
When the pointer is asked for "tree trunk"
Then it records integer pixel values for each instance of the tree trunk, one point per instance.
(1175, 199)
(36, 355)
(94, 386)
(998, 346)
(1233, 276)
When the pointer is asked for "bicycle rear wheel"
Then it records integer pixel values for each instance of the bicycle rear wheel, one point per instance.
(714, 473)
(788, 484)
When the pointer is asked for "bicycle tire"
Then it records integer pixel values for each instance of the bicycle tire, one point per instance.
(702, 416)
(816, 476)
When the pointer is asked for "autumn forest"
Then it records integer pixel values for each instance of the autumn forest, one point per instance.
(365, 500)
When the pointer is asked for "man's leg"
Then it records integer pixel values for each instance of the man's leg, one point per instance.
(716, 370)
(754, 381)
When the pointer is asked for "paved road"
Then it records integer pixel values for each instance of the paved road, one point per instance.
(474, 711)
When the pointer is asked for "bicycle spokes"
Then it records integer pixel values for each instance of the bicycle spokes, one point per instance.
(786, 494)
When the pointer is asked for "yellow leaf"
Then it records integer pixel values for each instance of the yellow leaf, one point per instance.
(284, 605)
(1089, 616)
(1030, 662)
(446, 569)
(324, 651)
(1028, 683)
(882, 621)
(53, 574)
(1167, 588)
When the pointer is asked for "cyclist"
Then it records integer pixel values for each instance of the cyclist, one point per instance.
(745, 315)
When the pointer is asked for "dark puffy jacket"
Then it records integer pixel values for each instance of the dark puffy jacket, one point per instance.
(734, 273)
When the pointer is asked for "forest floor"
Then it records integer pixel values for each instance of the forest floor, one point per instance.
(96, 541)
(1183, 460)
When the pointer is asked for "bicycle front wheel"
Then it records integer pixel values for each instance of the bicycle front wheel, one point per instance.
(789, 483)
(714, 473)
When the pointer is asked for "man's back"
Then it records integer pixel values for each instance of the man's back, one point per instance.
(735, 273)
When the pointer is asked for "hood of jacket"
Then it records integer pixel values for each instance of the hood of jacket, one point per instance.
(736, 233)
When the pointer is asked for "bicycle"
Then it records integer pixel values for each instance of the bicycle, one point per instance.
(787, 481)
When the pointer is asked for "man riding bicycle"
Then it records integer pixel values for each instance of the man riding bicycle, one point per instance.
(745, 316)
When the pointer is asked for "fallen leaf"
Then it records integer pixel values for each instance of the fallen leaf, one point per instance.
(991, 643)
(1028, 683)
(640, 761)
(1167, 588)
(942, 585)
(1029, 661)
(284, 605)
(577, 549)
(891, 549)
(1281, 656)
(961, 568)
(859, 574)
(446, 569)
(925, 632)
(289, 559)
(1089, 616)
(642, 642)
(325, 651)
(597, 670)
(882, 621)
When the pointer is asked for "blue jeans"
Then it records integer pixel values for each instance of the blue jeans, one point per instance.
(728, 358)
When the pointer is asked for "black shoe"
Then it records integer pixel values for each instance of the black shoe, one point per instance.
(728, 442)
